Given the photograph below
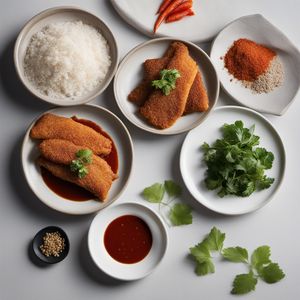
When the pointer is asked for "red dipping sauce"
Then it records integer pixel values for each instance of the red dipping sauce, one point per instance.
(70, 190)
(128, 239)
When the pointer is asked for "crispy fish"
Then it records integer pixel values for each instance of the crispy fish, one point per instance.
(51, 126)
(197, 100)
(57, 156)
(161, 110)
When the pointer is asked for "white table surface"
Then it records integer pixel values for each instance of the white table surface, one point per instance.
(156, 159)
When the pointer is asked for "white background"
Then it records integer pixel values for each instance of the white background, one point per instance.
(156, 159)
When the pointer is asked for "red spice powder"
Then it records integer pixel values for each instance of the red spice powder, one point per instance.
(246, 60)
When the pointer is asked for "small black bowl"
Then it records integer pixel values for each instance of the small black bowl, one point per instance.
(38, 241)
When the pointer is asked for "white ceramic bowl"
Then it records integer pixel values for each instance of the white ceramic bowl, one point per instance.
(118, 270)
(193, 168)
(129, 74)
(110, 124)
(62, 14)
(258, 29)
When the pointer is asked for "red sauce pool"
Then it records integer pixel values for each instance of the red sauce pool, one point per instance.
(70, 190)
(128, 239)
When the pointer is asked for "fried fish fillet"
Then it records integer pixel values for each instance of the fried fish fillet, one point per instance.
(197, 100)
(161, 110)
(57, 156)
(51, 126)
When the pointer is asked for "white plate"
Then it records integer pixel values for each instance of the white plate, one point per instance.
(258, 29)
(210, 17)
(110, 124)
(127, 271)
(193, 169)
(64, 14)
(130, 73)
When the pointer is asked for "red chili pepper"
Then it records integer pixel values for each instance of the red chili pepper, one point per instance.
(163, 6)
(183, 6)
(166, 12)
(178, 16)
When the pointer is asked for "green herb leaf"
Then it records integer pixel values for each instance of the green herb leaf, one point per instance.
(204, 268)
(244, 283)
(235, 254)
(154, 193)
(172, 188)
(214, 240)
(271, 273)
(82, 172)
(181, 214)
(85, 155)
(260, 256)
(200, 253)
(167, 81)
(234, 166)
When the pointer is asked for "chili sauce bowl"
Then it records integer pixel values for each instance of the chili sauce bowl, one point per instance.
(103, 257)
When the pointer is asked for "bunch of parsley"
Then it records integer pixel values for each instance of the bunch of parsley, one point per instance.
(167, 82)
(234, 165)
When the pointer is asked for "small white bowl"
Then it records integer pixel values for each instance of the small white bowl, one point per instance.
(258, 29)
(129, 74)
(118, 270)
(62, 14)
(111, 124)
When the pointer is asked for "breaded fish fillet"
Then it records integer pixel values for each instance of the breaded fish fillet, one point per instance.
(197, 100)
(161, 110)
(51, 126)
(57, 155)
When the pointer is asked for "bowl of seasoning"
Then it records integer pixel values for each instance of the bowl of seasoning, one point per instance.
(66, 56)
(51, 245)
(127, 241)
(257, 64)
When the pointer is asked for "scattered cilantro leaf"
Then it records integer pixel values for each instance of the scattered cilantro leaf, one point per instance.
(78, 166)
(214, 240)
(261, 256)
(234, 165)
(271, 273)
(154, 193)
(181, 214)
(244, 283)
(172, 188)
(204, 268)
(167, 82)
(200, 253)
(235, 254)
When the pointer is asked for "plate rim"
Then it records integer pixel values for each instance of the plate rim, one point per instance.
(154, 130)
(105, 204)
(261, 110)
(281, 146)
(163, 230)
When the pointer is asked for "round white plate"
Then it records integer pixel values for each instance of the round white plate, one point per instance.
(110, 124)
(258, 29)
(127, 271)
(210, 17)
(64, 14)
(193, 168)
(130, 73)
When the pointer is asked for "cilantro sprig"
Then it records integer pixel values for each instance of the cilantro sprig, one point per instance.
(234, 165)
(179, 213)
(259, 264)
(78, 165)
(167, 82)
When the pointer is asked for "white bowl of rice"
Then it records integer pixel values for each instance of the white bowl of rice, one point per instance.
(66, 56)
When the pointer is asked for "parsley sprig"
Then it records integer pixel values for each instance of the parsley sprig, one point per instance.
(78, 166)
(179, 213)
(234, 165)
(259, 265)
(167, 82)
